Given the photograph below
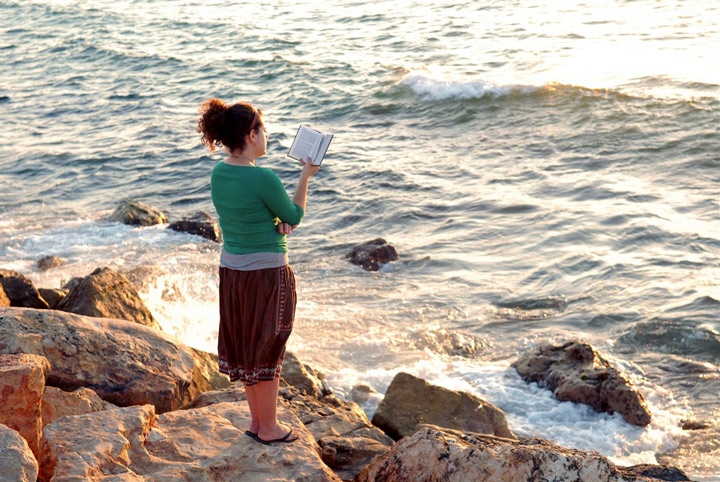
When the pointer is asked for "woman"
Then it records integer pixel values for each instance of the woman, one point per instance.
(257, 286)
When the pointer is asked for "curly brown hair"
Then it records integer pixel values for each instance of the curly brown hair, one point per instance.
(223, 125)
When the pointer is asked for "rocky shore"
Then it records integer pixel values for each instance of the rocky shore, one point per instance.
(93, 389)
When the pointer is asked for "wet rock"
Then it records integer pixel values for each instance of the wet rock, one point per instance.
(4, 300)
(361, 393)
(372, 254)
(20, 290)
(125, 363)
(411, 401)
(432, 453)
(447, 342)
(657, 472)
(17, 462)
(199, 223)
(108, 294)
(138, 213)
(695, 424)
(58, 403)
(200, 444)
(22, 382)
(576, 372)
(52, 296)
(48, 262)
(299, 375)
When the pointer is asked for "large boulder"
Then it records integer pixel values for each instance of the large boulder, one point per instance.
(138, 213)
(371, 255)
(17, 462)
(411, 401)
(125, 363)
(576, 372)
(20, 290)
(199, 444)
(22, 382)
(108, 294)
(200, 224)
(58, 403)
(433, 453)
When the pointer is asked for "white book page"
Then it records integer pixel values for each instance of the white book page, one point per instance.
(306, 144)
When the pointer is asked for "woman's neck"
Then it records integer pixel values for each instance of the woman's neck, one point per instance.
(240, 160)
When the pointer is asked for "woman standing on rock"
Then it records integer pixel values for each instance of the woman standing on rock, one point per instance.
(257, 286)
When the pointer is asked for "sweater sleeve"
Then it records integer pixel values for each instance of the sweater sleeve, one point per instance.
(278, 202)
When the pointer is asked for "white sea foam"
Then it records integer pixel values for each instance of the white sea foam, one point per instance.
(434, 86)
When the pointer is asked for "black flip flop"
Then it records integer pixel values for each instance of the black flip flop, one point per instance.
(252, 435)
(268, 442)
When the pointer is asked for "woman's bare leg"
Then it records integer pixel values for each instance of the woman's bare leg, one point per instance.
(252, 403)
(266, 393)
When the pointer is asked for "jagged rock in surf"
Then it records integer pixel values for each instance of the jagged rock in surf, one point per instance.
(433, 453)
(411, 401)
(48, 262)
(200, 224)
(576, 372)
(20, 290)
(108, 294)
(361, 393)
(371, 255)
(138, 213)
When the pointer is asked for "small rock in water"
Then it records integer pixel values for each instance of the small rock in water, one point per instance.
(138, 213)
(695, 424)
(20, 290)
(49, 262)
(199, 223)
(361, 393)
(372, 254)
(575, 372)
(447, 342)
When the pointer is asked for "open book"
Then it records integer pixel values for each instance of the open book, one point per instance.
(310, 143)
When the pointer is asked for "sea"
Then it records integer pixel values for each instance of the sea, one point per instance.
(547, 171)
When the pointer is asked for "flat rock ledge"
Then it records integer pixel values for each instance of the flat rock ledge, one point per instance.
(125, 363)
(433, 453)
(199, 444)
(411, 401)
(17, 462)
(576, 372)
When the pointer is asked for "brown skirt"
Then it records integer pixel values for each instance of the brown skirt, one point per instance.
(257, 309)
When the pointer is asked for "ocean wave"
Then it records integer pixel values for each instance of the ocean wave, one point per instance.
(435, 87)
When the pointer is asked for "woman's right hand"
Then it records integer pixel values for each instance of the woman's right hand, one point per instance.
(308, 169)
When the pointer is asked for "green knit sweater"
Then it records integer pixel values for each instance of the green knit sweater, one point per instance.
(249, 201)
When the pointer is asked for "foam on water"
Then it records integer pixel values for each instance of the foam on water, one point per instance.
(434, 86)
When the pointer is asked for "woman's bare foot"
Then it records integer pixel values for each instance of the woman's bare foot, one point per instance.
(276, 433)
